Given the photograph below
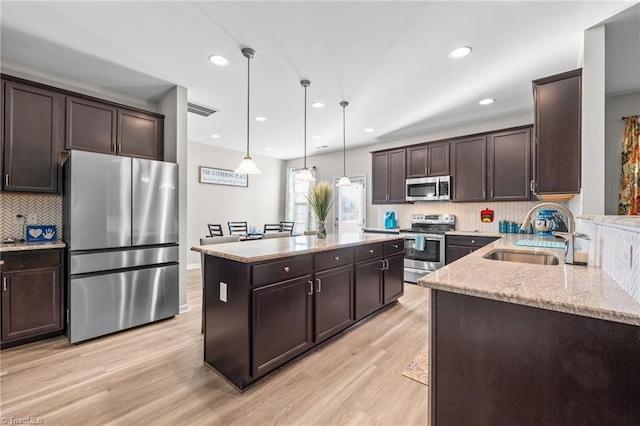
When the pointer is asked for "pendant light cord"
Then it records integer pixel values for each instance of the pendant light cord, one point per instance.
(305, 126)
(344, 104)
(248, 92)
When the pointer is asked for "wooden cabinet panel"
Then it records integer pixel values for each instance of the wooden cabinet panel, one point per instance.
(32, 296)
(394, 278)
(31, 140)
(333, 301)
(291, 267)
(90, 126)
(458, 246)
(282, 323)
(389, 181)
(416, 161)
(334, 258)
(368, 294)
(509, 165)
(455, 252)
(431, 159)
(557, 133)
(469, 164)
(369, 250)
(139, 135)
(391, 247)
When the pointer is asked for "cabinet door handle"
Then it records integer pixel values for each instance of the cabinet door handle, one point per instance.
(286, 269)
(473, 241)
(395, 246)
(371, 251)
(336, 258)
(428, 169)
(492, 193)
(4, 283)
(6, 179)
(382, 267)
(532, 185)
(319, 285)
(119, 147)
(386, 261)
(310, 287)
(1, 262)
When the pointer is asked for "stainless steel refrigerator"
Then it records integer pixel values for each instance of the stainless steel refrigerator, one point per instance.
(120, 219)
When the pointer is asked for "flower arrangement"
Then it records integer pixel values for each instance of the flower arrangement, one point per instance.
(321, 200)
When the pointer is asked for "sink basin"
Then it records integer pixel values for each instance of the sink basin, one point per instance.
(520, 257)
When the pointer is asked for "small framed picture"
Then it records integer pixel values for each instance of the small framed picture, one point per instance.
(223, 177)
(41, 233)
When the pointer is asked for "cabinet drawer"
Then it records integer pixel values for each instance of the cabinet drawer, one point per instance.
(395, 246)
(31, 260)
(469, 241)
(282, 269)
(333, 258)
(369, 250)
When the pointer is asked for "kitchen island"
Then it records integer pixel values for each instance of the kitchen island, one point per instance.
(518, 343)
(267, 302)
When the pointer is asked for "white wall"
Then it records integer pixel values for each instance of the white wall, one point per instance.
(329, 165)
(259, 203)
(616, 108)
(593, 107)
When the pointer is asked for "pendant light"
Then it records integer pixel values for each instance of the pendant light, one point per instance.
(304, 174)
(344, 180)
(247, 165)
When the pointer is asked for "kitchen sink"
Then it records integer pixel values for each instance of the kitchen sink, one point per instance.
(521, 257)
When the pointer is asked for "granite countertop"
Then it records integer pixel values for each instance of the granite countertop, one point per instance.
(478, 234)
(383, 230)
(38, 245)
(617, 221)
(580, 290)
(276, 248)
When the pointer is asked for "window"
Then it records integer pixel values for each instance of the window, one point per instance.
(296, 204)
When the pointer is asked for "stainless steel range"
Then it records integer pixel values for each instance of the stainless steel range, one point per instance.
(424, 246)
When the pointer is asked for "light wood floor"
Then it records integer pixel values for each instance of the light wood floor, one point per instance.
(155, 375)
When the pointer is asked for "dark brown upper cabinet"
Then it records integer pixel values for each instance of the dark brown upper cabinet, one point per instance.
(90, 126)
(139, 135)
(469, 168)
(32, 132)
(389, 171)
(431, 159)
(557, 133)
(509, 165)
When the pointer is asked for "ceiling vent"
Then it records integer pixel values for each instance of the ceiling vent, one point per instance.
(202, 110)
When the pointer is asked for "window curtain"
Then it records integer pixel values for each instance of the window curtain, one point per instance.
(296, 207)
(629, 202)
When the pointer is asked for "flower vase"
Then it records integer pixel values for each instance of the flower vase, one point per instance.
(321, 233)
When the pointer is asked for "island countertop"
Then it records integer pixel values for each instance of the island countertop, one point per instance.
(580, 290)
(276, 248)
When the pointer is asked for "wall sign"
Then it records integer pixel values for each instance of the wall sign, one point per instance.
(222, 177)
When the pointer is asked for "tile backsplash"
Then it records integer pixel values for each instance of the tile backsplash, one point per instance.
(467, 214)
(47, 207)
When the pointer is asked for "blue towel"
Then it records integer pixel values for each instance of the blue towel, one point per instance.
(419, 242)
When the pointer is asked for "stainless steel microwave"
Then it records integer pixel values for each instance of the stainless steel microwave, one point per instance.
(437, 188)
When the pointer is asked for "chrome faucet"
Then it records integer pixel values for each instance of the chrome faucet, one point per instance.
(569, 236)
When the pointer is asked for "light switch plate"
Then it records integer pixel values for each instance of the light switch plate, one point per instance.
(223, 292)
(32, 219)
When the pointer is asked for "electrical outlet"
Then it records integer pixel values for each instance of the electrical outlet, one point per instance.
(32, 219)
(18, 220)
(223, 292)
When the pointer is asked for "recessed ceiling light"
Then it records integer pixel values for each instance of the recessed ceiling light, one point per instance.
(260, 118)
(317, 105)
(315, 137)
(215, 136)
(218, 60)
(487, 101)
(460, 52)
(268, 148)
(369, 130)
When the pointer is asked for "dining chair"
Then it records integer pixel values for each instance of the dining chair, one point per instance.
(236, 228)
(205, 242)
(287, 226)
(271, 227)
(266, 236)
(215, 230)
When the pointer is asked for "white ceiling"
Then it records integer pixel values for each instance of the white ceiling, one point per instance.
(389, 60)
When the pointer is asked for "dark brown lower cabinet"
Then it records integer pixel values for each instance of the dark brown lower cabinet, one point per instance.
(458, 246)
(259, 316)
(333, 301)
(282, 322)
(495, 363)
(32, 297)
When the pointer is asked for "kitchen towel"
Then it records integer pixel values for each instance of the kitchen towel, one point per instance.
(419, 242)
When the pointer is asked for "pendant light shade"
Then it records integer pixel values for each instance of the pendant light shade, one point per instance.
(344, 180)
(247, 165)
(305, 175)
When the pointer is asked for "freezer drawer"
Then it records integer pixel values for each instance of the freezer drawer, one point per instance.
(103, 304)
(103, 261)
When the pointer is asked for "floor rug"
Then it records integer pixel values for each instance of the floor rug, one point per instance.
(418, 369)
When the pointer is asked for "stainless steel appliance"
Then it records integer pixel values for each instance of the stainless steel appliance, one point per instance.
(120, 219)
(424, 245)
(437, 188)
